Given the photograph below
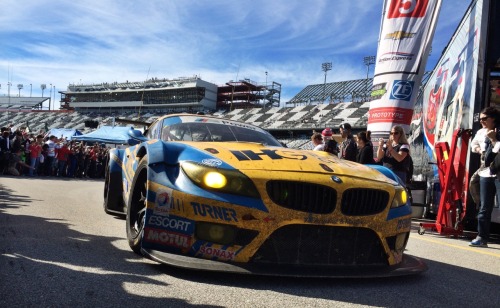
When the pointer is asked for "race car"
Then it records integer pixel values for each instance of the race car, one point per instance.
(208, 193)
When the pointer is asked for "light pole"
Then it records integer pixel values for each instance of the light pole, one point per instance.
(368, 61)
(327, 66)
(31, 89)
(266, 100)
(20, 87)
(8, 90)
(54, 104)
(50, 96)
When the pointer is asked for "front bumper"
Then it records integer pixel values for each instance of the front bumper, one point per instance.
(408, 266)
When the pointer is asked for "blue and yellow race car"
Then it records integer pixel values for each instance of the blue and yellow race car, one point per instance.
(207, 193)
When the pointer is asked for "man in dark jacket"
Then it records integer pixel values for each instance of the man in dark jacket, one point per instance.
(348, 147)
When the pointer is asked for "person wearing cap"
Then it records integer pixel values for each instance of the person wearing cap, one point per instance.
(348, 148)
(326, 135)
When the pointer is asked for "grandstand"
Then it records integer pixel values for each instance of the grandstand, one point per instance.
(146, 101)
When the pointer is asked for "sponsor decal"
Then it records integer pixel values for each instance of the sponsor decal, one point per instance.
(402, 90)
(390, 114)
(214, 212)
(172, 223)
(396, 56)
(221, 254)
(212, 162)
(164, 203)
(378, 90)
(167, 238)
(407, 9)
(267, 153)
(399, 35)
(404, 224)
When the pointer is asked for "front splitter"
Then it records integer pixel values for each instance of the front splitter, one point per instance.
(409, 266)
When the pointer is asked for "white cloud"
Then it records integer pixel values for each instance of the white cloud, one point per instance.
(94, 41)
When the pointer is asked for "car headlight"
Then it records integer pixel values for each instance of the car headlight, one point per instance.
(400, 198)
(222, 180)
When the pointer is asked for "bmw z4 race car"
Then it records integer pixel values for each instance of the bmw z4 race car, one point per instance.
(207, 193)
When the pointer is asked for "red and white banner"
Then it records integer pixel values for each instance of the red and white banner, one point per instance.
(405, 39)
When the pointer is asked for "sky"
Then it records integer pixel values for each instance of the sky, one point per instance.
(60, 42)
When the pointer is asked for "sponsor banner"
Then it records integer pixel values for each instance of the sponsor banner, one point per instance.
(405, 38)
(406, 34)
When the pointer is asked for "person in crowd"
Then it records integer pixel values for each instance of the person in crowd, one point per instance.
(62, 159)
(80, 160)
(16, 161)
(489, 185)
(394, 153)
(326, 135)
(348, 148)
(365, 148)
(16, 142)
(51, 155)
(72, 163)
(477, 146)
(43, 159)
(317, 141)
(5, 149)
(35, 150)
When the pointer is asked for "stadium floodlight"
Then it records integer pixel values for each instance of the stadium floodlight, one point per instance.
(368, 61)
(20, 87)
(325, 67)
(43, 86)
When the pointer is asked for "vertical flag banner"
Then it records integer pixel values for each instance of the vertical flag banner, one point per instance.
(404, 43)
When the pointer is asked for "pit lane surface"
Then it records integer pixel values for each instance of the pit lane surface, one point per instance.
(59, 249)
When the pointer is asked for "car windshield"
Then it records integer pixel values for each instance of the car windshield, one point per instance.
(215, 131)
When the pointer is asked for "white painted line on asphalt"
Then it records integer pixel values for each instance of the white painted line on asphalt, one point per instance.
(481, 250)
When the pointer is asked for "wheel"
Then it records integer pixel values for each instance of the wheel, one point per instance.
(136, 209)
(421, 230)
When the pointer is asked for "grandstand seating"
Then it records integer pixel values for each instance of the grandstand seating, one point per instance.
(287, 118)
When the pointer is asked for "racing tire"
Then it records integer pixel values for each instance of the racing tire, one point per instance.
(113, 201)
(136, 209)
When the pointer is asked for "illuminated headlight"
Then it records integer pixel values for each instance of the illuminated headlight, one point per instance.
(400, 198)
(222, 180)
(215, 233)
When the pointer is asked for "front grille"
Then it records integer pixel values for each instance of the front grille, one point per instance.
(300, 196)
(361, 201)
(321, 245)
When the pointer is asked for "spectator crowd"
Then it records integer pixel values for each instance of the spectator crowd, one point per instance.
(27, 154)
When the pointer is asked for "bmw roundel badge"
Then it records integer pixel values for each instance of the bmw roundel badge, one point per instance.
(336, 179)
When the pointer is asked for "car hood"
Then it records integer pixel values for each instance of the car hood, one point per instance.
(253, 156)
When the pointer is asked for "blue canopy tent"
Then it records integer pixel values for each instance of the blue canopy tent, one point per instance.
(113, 135)
(68, 133)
